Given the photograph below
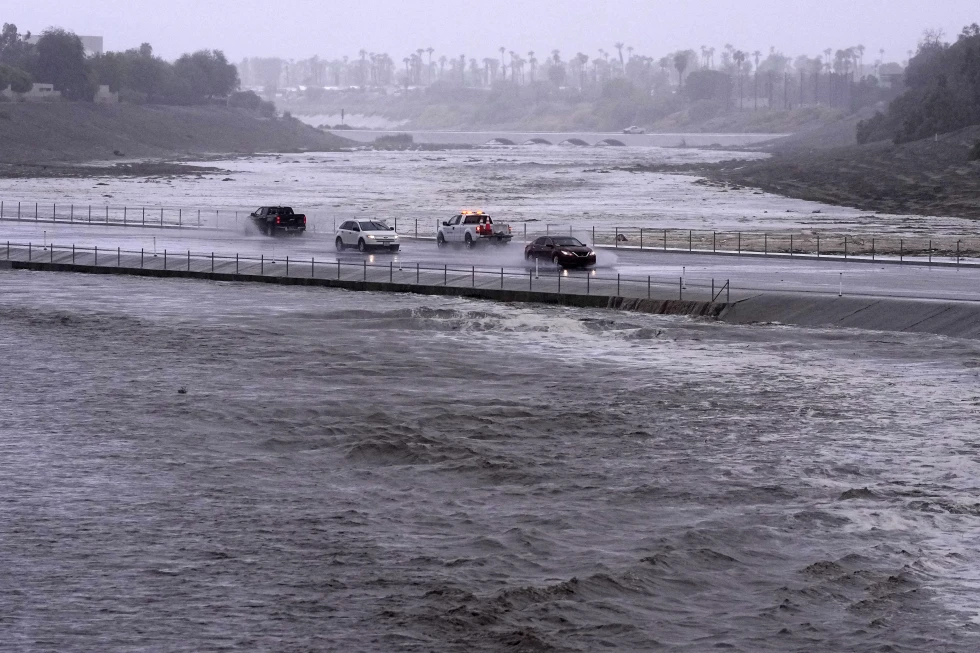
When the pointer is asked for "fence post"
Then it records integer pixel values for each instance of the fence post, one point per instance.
(680, 288)
(765, 244)
(818, 245)
(365, 270)
(445, 274)
(212, 262)
(417, 274)
(617, 237)
(188, 260)
(559, 280)
(690, 240)
(845, 247)
(930, 252)
(473, 272)
(96, 254)
(72, 252)
(338, 270)
(262, 264)
(641, 237)
(35, 211)
(901, 250)
(107, 214)
(791, 245)
(714, 248)
(287, 265)
(141, 256)
(728, 291)
(957, 253)
(144, 216)
(872, 249)
(648, 287)
(501, 278)
(712, 289)
(312, 268)
(593, 235)
(236, 262)
(391, 267)
(530, 280)
(740, 243)
(665, 240)
(416, 229)
(164, 259)
(617, 284)
(118, 257)
(588, 283)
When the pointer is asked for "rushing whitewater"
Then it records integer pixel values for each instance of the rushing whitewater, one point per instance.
(195, 466)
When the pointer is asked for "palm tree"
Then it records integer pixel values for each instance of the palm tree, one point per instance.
(619, 46)
(442, 66)
(503, 70)
(739, 57)
(462, 69)
(860, 53)
(363, 54)
(430, 50)
(711, 57)
(757, 55)
(534, 63)
(680, 63)
(582, 59)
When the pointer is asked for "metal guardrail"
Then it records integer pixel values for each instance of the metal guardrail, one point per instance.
(810, 243)
(548, 280)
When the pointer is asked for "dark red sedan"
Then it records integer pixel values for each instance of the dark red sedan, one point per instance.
(563, 251)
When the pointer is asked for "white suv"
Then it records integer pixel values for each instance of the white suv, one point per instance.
(365, 235)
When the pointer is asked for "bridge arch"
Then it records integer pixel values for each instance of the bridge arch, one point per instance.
(500, 141)
(578, 142)
(610, 142)
(537, 141)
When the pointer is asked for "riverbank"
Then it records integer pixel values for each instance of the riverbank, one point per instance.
(68, 133)
(932, 177)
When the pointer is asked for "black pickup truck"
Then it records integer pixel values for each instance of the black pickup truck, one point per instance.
(272, 220)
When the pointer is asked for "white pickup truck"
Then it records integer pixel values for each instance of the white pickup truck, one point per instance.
(472, 227)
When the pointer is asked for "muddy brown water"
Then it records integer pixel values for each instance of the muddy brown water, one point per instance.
(193, 466)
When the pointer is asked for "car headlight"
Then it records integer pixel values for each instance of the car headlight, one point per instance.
(370, 236)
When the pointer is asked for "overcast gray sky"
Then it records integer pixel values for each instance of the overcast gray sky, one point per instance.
(301, 28)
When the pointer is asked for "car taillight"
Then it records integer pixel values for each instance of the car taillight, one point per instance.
(304, 219)
(277, 219)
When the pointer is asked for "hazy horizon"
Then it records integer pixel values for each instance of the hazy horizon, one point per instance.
(297, 29)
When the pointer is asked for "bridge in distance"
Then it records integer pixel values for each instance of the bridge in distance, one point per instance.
(582, 139)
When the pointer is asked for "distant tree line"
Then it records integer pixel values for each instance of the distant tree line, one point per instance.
(943, 82)
(139, 76)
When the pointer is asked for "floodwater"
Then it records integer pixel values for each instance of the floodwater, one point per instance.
(193, 466)
(582, 187)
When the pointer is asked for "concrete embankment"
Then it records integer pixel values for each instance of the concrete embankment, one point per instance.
(954, 319)
(947, 318)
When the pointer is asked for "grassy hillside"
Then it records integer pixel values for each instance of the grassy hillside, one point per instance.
(67, 132)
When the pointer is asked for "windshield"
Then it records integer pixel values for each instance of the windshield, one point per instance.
(373, 225)
(283, 210)
(567, 241)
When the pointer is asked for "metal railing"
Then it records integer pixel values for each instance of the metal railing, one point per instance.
(808, 243)
(545, 280)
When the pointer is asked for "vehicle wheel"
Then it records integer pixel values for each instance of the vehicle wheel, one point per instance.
(469, 241)
(361, 245)
(340, 244)
(394, 248)
(440, 240)
(527, 256)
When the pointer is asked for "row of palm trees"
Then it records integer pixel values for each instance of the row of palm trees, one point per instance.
(422, 68)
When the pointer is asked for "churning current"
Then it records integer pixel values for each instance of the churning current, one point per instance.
(192, 466)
